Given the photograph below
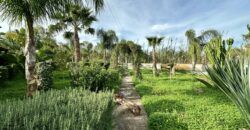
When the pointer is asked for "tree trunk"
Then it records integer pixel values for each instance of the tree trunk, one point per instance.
(105, 57)
(195, 59)
(155, 73)
(77, 45)
(30, 59)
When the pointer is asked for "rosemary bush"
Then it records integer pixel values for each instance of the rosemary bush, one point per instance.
(74, 109)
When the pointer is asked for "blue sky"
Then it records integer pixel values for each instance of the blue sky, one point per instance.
(136, 19)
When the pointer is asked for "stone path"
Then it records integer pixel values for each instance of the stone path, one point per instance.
(123, 118)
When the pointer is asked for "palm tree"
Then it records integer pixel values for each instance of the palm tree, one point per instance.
(33, 11)
(246, 37)
(205, 38)
(88, 48)
(78, 17)
(193, 46)
(108, 39)
(136, 58)
(154, 41)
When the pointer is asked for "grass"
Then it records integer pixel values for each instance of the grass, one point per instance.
(16, 87)
(184, 103)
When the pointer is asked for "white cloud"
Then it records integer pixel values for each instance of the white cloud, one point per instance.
(161, 27)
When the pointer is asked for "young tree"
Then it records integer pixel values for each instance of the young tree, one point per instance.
(77, 17)
(136, 58)
(193, 46)
(108, 39)
(154, 41)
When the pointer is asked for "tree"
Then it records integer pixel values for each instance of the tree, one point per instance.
(205, 38)
(154, 41)
(87, 49)
(77, 17)
(136, 58)
(32, 11)
(108, 39)
(193, 46)
(246, 37)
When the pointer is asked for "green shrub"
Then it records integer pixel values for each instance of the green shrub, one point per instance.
(161, 121)
(123, 71)
(44, 71)
(94, 77)
(74, 109)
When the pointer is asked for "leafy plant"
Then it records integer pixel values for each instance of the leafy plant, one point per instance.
(93, 77)
(44, 71)
(233, 79)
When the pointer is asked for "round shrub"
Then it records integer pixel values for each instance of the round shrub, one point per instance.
(93, 77)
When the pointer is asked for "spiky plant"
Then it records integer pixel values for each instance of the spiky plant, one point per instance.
(232, 77)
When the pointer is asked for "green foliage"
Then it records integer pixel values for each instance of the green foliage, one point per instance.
(93, 77)
(44, 71)
(65, 109)
(4, 74)
(186, 103)
(232, 77)
(217, 50)
(15, 88)
(165, 121)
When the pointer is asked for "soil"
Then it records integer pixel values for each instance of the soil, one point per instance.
(123, 118)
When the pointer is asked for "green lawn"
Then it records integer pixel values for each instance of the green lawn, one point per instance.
(16, 87)
(177, 104)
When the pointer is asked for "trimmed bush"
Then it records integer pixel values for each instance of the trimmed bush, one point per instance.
(44, 71)
(75, 109)
(94, 77)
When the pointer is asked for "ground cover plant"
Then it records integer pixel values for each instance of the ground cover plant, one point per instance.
(15, 88)
(59, 109)
(184, 103)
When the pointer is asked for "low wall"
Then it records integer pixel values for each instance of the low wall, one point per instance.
(187, 67)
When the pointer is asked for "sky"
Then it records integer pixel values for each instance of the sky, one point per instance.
(137, 19)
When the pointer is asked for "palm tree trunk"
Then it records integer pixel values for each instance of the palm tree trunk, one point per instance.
(30, 59)
(77, 44)
(104, 56)
(195, 59)
(154, 63)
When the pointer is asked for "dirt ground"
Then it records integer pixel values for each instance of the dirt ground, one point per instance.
(123, 118)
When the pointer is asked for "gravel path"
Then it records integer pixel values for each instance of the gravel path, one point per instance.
(123, 118)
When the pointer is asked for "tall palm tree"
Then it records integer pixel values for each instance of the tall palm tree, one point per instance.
(29, 11)
(33, 11)
(154, 41)
(193, 46)
(79, 18)
(108, 39)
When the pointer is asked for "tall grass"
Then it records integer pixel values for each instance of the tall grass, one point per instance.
(73, 109)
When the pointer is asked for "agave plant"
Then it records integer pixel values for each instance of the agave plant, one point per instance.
(233, 79)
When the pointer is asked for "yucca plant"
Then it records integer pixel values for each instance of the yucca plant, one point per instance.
(232, 77)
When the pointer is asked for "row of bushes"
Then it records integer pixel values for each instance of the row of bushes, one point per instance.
(94, 77)
(73, 109)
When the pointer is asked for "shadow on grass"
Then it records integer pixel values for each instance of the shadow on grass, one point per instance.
(164, 105)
